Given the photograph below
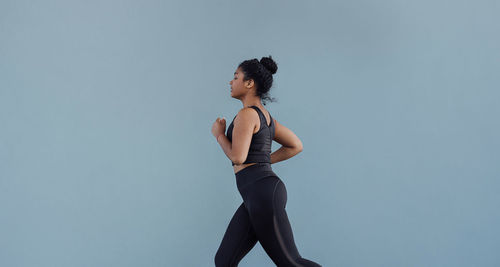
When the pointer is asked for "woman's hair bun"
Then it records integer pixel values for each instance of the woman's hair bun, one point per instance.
(269, 64)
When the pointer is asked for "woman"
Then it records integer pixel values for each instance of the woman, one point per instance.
(262, 216)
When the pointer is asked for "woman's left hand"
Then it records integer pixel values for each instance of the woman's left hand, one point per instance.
(219, 127)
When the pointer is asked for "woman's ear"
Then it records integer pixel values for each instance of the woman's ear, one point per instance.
(250, 83)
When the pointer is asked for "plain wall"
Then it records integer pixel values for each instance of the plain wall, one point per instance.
(106, 107)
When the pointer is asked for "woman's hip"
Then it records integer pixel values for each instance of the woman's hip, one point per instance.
(253, 173)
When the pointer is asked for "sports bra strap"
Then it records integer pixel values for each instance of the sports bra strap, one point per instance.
(263, 116)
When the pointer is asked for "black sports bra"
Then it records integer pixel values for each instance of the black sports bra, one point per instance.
(260, 146)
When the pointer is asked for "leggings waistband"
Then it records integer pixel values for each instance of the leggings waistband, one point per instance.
(253, 173)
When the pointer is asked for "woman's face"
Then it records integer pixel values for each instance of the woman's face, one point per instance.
(237, 85)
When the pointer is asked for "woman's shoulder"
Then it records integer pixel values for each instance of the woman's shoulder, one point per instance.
(247, 115)
(245, 112)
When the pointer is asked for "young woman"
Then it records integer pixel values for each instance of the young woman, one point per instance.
(262, 216)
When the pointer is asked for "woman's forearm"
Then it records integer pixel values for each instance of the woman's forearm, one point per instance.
(284, 153)
(226, 145)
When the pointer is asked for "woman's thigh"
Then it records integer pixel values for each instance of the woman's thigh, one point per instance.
(267, 201)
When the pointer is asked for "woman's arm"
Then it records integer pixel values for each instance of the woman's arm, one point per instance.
(225, 144)
(284, 153)
(290, 143)
(244, 125)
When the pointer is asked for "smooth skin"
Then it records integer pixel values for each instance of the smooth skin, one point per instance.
(247, 122)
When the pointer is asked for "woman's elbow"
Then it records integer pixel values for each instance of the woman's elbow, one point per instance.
(238, 160)
(299, 146)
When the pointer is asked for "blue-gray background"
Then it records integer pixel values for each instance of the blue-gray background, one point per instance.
(107, 159)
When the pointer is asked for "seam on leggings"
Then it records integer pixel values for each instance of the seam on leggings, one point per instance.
(233, 258)
(276, 229)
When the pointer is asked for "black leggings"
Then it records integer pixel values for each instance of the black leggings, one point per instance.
(261, 217)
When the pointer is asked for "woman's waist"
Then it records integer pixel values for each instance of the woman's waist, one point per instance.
(253, 168)
(253, 173)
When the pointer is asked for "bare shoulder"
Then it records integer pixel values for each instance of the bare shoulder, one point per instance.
(247, 113)
(285, 136)
(247, 116)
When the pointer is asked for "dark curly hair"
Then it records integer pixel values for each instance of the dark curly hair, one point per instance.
(262, 73)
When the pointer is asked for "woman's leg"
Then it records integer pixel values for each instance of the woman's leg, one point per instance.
(266, 200)
(238, 239)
